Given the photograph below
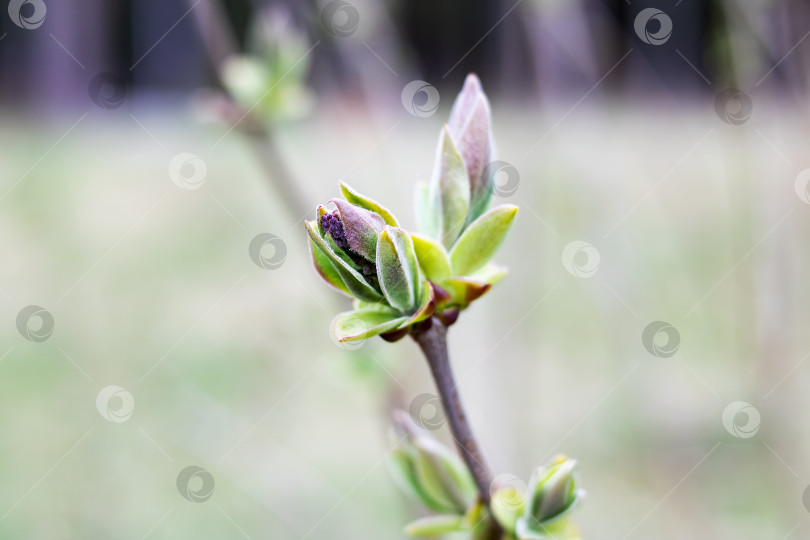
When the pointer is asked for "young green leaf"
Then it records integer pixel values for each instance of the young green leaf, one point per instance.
(427, 215)
(325, 268)
(426, 303)
(369, 204)
(563, 529)
(442, 475)
(432, 257)
(435, 526)
(464, 290)
(402, 467)
(481, 240)
(507, 505)
(490, 274)
(340, 253)
(451, 188)
(397, 269)
(363, 324)
(373, 306)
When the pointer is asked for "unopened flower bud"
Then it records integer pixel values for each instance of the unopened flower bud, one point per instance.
(359, 250)
(459, 191)
(553, 492)
(470, 125)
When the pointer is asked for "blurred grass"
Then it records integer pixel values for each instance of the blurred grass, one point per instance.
(232, 367)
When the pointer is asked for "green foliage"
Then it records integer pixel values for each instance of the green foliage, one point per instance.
(398, 279)
(459, 237)
(351, 279)
(270, 80)
(481, 239)
(432, 257)
(449, 191)
(369, 204)
(508, 504)
(430, 471)
(363, 252)
(552, 495)
(435, 525)
(563, 529)
(397, 269)
(365, 323)
(358, 251)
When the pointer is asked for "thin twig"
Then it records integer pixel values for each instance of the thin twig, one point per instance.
(220, 45)
(433, 343)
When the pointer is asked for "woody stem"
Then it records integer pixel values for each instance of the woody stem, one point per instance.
(433, 343)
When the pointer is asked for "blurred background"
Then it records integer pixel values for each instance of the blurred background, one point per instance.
(167, 369)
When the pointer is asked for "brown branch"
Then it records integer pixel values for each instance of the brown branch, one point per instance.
(433, 343)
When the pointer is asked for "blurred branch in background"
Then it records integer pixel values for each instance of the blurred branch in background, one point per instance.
(249, 88)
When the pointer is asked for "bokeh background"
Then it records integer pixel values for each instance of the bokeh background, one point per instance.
(661, 152)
